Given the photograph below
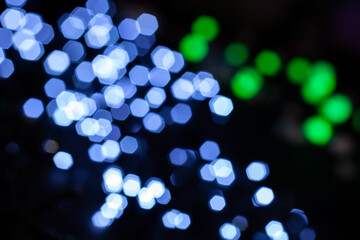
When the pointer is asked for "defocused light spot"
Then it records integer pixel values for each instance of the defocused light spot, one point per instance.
(182, 221)
(148, 24)
(97, 6)
(297, 70)
(165, 198)
(221, 105)
(156, 186)
(206, 26)
(217, 203)
(33, 23)
(240, 222)
(54, 87)
(15, 3)
(307, 234)
(229, 231)
(129, 29)
(159, 77)
(84, 72)
(132, 185)
(57, 62)
(337, 108)
(182, 89)
(13, 18)
(121, 113)
(46, 34)
(274, 229)
(139, 107)
(317, 130)
(155, 97)
(72, 27)
(116, 201)
(246, 83)
(31, 50)
(50, 146)
(178, 156)
(263, 197)
(268, 63)
(168, 218)
(33, 108)
(207, 172)
(163, 57)
(178, 64)
(209, 150)
(6, 68)
(257, 171)
(321, 82)
(129, 144)
(153, 122)
(99, 221)
(95, 153)
(6, 38)
(110, 149)
(146, 198)
(75, 50)
(181, 113)
(113, 180)
(104, 68)
(194, 47)
(139, 75)
(63, 160)
(236, 54)
(223, 171)
(114, 96)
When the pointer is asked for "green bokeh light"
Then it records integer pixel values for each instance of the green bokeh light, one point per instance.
(336, 109)
(206, 26)
(236, 54)
(317, 130)
(194, 47)
(246, 83)
(268, 63)
(297, 70)
(320, 83)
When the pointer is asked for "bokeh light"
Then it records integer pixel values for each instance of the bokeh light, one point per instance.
(317, 130)
(337, 108)
(236, 54)
(268, 63)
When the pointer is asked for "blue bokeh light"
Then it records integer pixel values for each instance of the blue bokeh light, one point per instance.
(223, 171)
(110, 149)
(75, 50)
(181, 113)
(209, 150)
(229, 231)
(148, 24)
(132, 185)
(95, 153)
(31, 50)
(113, 179)
(6, 38)
(156, 186)
(257, 171)
(182, 89)
(57, 62)
(139, 107)
(178, 156)
(114, 96)
(13, 18)
(155, 97)
(159, 77)
(153, 122)
(15, 3)
(163, 57)
(139, 75)
(217, 203)
(63, 160)
(33, 23)
(207, 173)
(33, 108)
(129, 144)
(6, 68)
(129, 29)
(178, 64)
(97, 6)
(46, 34)
(53, 87)
(274, 229)
(84, 72)
(146, 198)
(221, 105)
(263, 197)
(72, 27)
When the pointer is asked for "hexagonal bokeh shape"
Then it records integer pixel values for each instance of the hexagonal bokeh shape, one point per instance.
(33, 108)
(57, 62)
(229, 231)
(63, 160)
(148, 24)
(129, 144)
(139, 107)
(221, 106)
(163, 57)
(53, 87)
(181, 113)
(217, 203)
(153, 122)
(155, 97)
(257, 171)
(263, 197)
(209, 150)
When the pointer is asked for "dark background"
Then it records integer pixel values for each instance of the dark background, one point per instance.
(39, 201)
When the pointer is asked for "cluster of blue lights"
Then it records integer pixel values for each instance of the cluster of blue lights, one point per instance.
(97, 112)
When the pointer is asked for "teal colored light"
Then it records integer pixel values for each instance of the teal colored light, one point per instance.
(317, 130)
(297, 70)
(268, 63)
(320, 83)
(246, 83)
(337, 108)
(236, 54)
(194, 47)
(206, 26)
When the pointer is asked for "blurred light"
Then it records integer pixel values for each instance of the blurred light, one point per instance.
(113, 180)
(110, 149)
(50, 146)
(223, 171)
(132, 185)
(263, 197)
(168, 218)
(182, 221)
(104, 68)
(317, 130)
(95, 153)
(307, 234)
(298, 70)
(97, 6)
(54, 87)
(130, 48)
(153, 122)
(274, 229)
(178, 64)
(57, 62)
(207, 172)
(15, 3)
(108, 212)
(83, 13)
(207, 87)
(206, 26)
(31, 50)
(229, 231)
(240, 222)
(2, 55)
(128, 87)
(156, 186)
(246, 83)
(61, 119)
(46, 34)
(165, 198)
(221, 105)
(129, 29)
(148, 24)
(139, 107)
(163, 57)
(33, 108)
(6, 68)
(337, 108)
(72, 27)
(268, 63)
(139, 75)
(89, 126)
(217, 203)
(155, 97)
(236, 54)
(181, 113)
(209, 150)
(146, 198)
(257, 171)
(33, 22)
(6, 38)
(97, 36)
(114, 96)
(194, 47)
(13, 18)
(178, 156)
(75, 50)
(116, 201)
(21, 36)
(99, 221)
(321, 82)
(159, 77)
(182, 89)
(63, 160)
(121, 113)
(129, 144)
(84, 72)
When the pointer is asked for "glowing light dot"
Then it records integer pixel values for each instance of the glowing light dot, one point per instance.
(317, 130)
(298, 70)
(33, 108)
(236, 54)
(246, 83)
(263, 196)
(57, 62)
(217, 203)
(209, 150)
(268, 63)
(257, 171)
(221, 105)
(337, 108)
(206, 26)
(63, 160)
(148, 24)
(194, 47)
(229, 231)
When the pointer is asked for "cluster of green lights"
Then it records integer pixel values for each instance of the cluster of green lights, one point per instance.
(317, 130)
(194, 46)
(246, 83)
(268, 63)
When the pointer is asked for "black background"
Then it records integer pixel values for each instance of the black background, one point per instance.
(39, 201)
